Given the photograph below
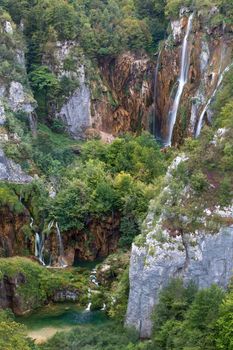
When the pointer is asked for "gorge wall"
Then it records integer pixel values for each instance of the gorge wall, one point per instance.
(175, 244)
(209, 54)
(108, 97)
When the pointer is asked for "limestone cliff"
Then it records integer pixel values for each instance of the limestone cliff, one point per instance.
(106, 98)
(166, 251)
(125, 102)
(15, 92)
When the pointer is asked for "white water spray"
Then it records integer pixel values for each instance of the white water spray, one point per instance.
(88, 308)
(39, 245)
(182, 82)
(39, 248)
(201, 119)
(93, 280)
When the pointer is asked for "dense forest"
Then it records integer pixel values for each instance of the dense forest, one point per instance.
(86, 200)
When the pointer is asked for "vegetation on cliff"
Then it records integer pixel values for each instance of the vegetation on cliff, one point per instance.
(93, 180)
(33, 285)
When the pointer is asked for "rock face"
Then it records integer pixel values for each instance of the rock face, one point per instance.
(112, 96)
(204, 259)
(65, 295)
(98, 241)
(15, 96)
(9, 297)
(125, 97)
(208, 59)
(76, 112)
(12, 172)
(12, 237)
(162, 253)
(75, 109)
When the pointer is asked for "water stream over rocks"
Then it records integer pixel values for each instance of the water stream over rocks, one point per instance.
(181, 81)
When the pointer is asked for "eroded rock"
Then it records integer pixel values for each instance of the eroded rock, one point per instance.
(12, 172)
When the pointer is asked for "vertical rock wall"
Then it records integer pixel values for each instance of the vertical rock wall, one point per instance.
(210, 54)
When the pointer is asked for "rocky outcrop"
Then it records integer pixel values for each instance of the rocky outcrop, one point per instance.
(98, 240)
(12, 237)
(65, 295)
(9, 297)
(111, 97)
(204, 259)
(125, 96)
(12, 172)
(14, 95)
(76, 112)
(165, 251)
(74, 108)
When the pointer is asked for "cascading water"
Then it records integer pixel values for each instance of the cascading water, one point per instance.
(201, 119)
(39, 248)
(182, 82)
(39, 245)
(93, 280)
(61, 247)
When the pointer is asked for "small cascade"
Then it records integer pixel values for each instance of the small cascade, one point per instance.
(182, 82)
(39, 248)
(93, 280)
(33, 123)
(62, 261)
(39, 245)
(155, 130)
(205, 110)
(88, 308)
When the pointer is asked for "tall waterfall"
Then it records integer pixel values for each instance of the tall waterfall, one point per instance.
(201, 119)
(61, 247)
(182, 82)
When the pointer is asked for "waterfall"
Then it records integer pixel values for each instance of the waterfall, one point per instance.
(93, 280)
(33, 123)
(39, 248)
(182, 82)
(201, 119)
(88, 308)
(61, 247)
(154, 126)
(39, 245)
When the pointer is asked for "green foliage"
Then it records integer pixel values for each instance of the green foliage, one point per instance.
(13, 336)
(173, 7)
(39, 283)
(10, 67)
(107, 336)
(224, 324)
(186, 319)
(98, 185)
(9, 198)
(120, 293)
(102, 27)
